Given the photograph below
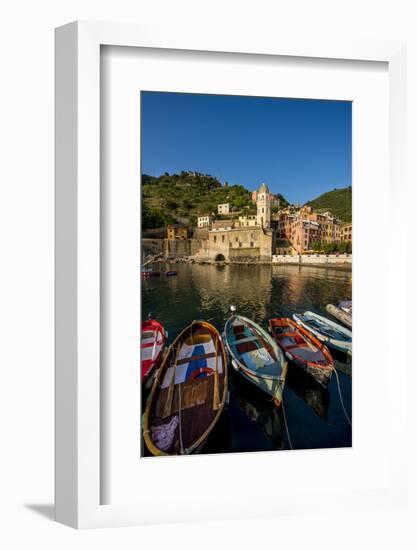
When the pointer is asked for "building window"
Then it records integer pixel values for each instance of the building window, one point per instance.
(251, 243)
(240, 245)
(236, 239)
(222, 238)
(215, 238)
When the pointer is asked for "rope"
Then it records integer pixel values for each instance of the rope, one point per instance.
(285, 423)
(180, 418)
(340, 395)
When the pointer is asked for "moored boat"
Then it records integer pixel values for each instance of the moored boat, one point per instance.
(171, 273)
(152, 344)
(188, 394)
(340, 314)
(303, 348)
(256, 356)
(329, 332)
(150, 273)
(345, 305)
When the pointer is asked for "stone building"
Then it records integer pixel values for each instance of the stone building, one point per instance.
(222, 225)
(263, 206)
(250, 238)
(238, 244)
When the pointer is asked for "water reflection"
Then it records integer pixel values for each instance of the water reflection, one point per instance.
(251, 423)
(312, 393)
(260, 409)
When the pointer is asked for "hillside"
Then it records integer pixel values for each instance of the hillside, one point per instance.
(182, 197)
(338, 202)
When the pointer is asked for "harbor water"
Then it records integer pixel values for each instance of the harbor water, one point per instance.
(251, 422)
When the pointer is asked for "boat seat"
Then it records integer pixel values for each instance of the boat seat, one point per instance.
(195, 358)
(151, 344)
(243, 340)
(293, 346)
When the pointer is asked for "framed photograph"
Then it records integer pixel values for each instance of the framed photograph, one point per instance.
(220, 289)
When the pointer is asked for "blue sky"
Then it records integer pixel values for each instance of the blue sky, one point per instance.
(300, 148)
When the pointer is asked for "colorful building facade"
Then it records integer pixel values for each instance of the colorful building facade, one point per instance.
(304, 227)
(177, 232)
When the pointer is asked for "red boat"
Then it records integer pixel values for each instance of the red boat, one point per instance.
(300, 346)
(152, 347)
(150, 273)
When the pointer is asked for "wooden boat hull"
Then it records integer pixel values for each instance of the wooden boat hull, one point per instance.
(340, 315)
(322, 376)
(303, 349)
(188, 394)
(153, 338)
(344, 345)
(270, 372)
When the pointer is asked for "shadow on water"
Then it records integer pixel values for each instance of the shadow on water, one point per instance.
(251, 422)
(314, 395)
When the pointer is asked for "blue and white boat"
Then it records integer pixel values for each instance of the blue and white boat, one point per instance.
(256, 356)
(329, 332)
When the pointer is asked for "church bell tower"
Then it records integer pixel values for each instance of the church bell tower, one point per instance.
(263, 206)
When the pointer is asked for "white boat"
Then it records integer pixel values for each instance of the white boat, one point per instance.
(340, 314)
(346, 305)
(256, 356)
(329, 332)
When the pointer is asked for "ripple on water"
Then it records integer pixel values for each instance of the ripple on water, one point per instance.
(315, 417)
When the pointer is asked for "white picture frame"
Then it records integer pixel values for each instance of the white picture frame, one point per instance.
(78, 405)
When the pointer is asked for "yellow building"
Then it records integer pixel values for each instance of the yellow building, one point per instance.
(346, 232)
(177, 232)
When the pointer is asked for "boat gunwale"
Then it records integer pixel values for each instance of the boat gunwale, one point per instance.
(342, 345)
(146, 416)
(322, 347)
(276, 348)
(340, 314)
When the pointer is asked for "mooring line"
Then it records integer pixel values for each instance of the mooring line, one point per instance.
(340, 395)
(285, 422)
